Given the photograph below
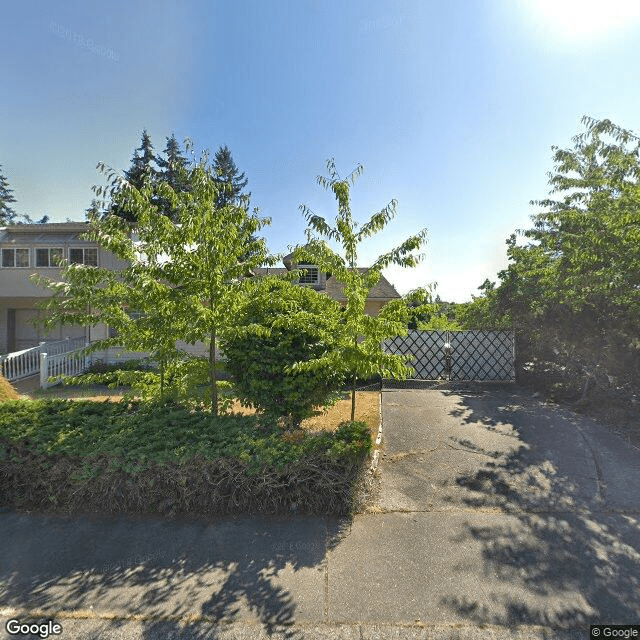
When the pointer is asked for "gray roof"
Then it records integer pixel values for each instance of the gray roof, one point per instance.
(48, 233)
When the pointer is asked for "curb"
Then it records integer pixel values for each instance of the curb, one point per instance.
(376, 453)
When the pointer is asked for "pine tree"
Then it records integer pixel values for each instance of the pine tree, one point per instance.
(229, 179)
(7, 214)
(231, 183)
(174, 170)
(141, 168)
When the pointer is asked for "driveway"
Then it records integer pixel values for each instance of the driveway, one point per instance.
(496, 508)
(497, 517)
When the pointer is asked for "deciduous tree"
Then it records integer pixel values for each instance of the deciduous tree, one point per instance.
(182, 279)
(358, 349)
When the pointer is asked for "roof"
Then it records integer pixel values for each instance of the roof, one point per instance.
(48, 233)
(383, 290)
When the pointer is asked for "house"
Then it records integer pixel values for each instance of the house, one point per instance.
(36, 248)
(326, 283)
(26, 249)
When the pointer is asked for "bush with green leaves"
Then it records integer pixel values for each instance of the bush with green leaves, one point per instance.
(278, 325)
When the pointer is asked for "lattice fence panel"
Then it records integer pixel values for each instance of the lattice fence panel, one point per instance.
(475, 355)
(427, 349)
(482, 355)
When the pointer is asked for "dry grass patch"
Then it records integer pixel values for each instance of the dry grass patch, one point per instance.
(367, 410)
(7, 392)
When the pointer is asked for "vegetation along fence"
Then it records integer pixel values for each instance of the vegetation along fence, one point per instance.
(25, 363)
(458, 355)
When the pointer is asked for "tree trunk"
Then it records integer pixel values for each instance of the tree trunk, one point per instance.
(212, 374)
(161, 377)
(353, 399)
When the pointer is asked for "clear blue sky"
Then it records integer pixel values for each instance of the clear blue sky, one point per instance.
(451, 107)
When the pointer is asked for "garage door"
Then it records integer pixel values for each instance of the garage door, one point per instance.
(27, 335)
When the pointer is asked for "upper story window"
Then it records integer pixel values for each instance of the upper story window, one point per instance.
(15, 257)
(311, 276)
(88, 256)
(48, 257)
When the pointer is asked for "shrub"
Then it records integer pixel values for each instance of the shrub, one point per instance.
(185, 381)
(280, 324)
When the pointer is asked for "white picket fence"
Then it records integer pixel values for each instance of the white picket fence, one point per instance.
(22, 364)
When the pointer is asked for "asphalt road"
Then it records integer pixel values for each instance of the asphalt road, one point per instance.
(497, 517)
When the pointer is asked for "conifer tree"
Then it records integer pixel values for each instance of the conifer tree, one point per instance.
(229, 179)
(174, 170)
(7, 214)
(141, 168)
(230, 184)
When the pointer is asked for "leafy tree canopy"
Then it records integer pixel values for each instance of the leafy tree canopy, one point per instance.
(358, 350)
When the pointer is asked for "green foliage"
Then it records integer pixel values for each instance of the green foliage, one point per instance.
(174, 170)
(432, 315)
(141, 172)
(7, 214)
(279, 325)
(573, 290)
(483, 311)
(181, 278)
(358, 350)
(229, 179)
(135, 435)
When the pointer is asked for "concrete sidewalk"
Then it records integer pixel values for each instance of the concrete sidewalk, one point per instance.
(497, 517)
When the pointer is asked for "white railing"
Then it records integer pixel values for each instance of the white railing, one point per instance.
(25, 363)
(54, 367)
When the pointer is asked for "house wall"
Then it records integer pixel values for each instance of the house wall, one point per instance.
(21, 297)
(15, 281)
(117, 354)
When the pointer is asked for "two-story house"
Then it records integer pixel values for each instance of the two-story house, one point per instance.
(36, 248)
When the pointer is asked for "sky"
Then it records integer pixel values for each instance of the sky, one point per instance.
(451, 107)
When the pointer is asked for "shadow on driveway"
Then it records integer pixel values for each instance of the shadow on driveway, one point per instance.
(570, 490)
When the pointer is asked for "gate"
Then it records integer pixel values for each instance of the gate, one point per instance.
(458, 355)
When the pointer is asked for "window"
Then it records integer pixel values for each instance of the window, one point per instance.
(311, 277)
(88, 256)
(15, 257)
(48, 257)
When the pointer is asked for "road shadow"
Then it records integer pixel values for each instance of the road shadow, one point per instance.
(560, 540)
(179, 578)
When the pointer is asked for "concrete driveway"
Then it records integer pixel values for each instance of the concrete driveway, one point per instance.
(497, 517)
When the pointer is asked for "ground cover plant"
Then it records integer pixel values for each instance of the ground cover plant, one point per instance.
(145, 457)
